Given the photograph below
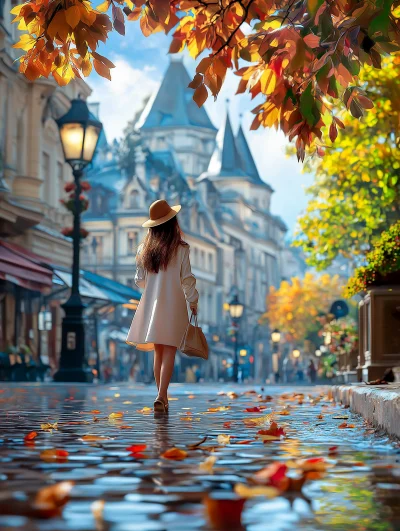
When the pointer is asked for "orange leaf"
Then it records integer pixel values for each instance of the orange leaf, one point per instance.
(175, 454)
(200, 95)
(73, 16)
(30, 436)
(94, 438)
(101, 69)
(55, 495)
(53, 454)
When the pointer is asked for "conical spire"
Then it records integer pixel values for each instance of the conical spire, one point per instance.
(226, 160)
(247, 160)
(173, 105)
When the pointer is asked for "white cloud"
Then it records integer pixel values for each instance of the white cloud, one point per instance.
(123, 96)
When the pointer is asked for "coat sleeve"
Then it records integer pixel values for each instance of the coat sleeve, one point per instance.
(140, 275)
(188, 280)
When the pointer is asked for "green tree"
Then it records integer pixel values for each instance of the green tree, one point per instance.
(356, 193)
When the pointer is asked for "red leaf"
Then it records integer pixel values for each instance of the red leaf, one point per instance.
(311, 40)
(333, 132)
(200, 95)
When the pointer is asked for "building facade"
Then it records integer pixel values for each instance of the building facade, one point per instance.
(237, 244)
(32, 178)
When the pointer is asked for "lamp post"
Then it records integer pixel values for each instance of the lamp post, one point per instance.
(79, 134)
(236, 311)
(275, 338)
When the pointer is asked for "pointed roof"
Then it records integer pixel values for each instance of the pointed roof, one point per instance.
(173, 104)
(247, 160)
(226, 160)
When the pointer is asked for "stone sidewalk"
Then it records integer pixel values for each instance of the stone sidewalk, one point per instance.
(379, 404)
(85, 457)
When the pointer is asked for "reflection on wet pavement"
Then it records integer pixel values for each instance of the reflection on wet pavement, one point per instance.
(83, 433)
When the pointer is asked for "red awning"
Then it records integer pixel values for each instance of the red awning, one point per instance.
(19, 266)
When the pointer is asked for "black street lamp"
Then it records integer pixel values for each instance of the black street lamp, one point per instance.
(79, 133)
(236, 311)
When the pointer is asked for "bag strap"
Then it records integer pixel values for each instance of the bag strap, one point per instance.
(196, 324)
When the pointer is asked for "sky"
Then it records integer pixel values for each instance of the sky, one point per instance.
(140, 64)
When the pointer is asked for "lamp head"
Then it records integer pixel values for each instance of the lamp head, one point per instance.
(79, 132)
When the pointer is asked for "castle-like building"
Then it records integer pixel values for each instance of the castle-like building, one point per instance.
(237, 244)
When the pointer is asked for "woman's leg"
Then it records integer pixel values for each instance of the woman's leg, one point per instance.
(167, 368)
(158, 356)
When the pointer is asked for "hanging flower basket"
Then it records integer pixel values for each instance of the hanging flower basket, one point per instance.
(68, 232)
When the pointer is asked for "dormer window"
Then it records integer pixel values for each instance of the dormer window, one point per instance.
(134, 199)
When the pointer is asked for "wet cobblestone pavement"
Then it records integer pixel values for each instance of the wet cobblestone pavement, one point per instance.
(322, 467)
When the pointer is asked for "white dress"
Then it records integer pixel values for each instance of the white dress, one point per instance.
(162, 314)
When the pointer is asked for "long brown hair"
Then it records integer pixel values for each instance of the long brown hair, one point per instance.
(161, 245)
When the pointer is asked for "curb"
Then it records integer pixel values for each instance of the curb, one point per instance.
(379, 405)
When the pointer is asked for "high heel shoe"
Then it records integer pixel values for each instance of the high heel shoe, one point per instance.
(160, 405)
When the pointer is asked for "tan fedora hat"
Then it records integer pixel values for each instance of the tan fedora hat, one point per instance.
(160, 212)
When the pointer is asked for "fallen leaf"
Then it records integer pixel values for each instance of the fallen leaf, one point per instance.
(94, 438)
(50, 500)
(95, 411)
(30, 436)
(146, 410)
(175, 453)
(208, 464)
(247, 441)
(313, 464)
(53, 454)
(227, 425)
(344, 426)
(342, 417)
(47, 426)
(223, 439)
(273, 431)
(256, 409)
(273, 475)
(136, 448)
(125, 427)
(117, 415)
(216, 409)
(245, 491)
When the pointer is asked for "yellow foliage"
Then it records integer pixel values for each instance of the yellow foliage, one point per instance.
(293, 307)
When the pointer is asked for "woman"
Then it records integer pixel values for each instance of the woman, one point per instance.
(164, 273)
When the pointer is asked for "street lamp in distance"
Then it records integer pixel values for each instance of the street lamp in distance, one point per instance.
(79, 134)
(275, 336)
(236, 311)
(296, 353)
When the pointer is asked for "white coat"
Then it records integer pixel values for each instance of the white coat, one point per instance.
(162, 313)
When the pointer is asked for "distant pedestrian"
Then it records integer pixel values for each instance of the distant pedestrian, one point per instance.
(163, 271)
(312, 371)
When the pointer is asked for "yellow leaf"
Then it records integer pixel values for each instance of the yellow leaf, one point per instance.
(25, 42)
(17, 9)
(223, 439)
(73, 16)
(103, 7)
(268, 81)
(251, 492)
(208, 464)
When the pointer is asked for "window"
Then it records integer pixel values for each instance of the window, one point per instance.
(203, 259)
(133, 237)
(134, 199)
(98, 246)
(196, 257)
(210, 262)
(46, 178)
(210, 307)
(130, 282)
(60, 178)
